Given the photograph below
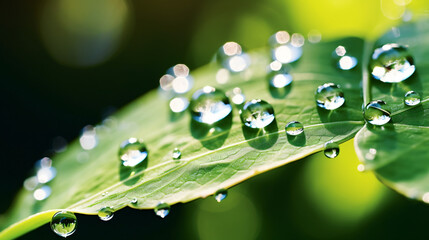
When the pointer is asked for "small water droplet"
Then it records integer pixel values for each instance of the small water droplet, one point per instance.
(278, 75)
(105, 213)
(209, 105)
(392, 63)
(177, 80)
(237, 96)
(331, 149)
(220, 195)
(329, 96)
(222, 76)
(361, 168)
(286, 51)
(132, 152)
(179, 104)
(31, 183)
(43, 163)
(88, 139)
(42, 193)
(370, 155)
(343, 60)
(232, 57)
(412, 98)
(294, 128)
(45, 175)
(377, 113)
(162, 209)
(425, 197)
(257, 114)
(63, 223)
(177, 154)
(134, 201)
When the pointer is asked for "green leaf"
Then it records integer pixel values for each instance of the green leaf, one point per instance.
(398, 152)
(221, 158)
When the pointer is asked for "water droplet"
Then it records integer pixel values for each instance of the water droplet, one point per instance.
(179, 104)
(329, 96)
(64, 223)
(425, 197)
(232, 57)
(162, 209)
(88, 139)
(220, 195)
(370, 155)
(412, 98)
(286, 51)
(392, 63)
(222, 76)
(278, 75)
(132, 152)
(361, 168)
(177, 154)
(177, 80)
(377, 113)
(344, 62)
(209, 105)
(31, 183)
(134, 201)
(105, 213)
(331, 149)
(237, 96)
(42, 193)
(45, 175)
(294, 128)
(257, 114)
(43, 163)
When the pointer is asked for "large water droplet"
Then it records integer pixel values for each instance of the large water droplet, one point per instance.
(177, 154)
(64, 223)
(294, 128)
(132, 152)
(177, 80)
(232, 57)
(220, 195)
(105, 213)
(343, 60)
(42, 193)
(209, 105)
(278, 75)
(412, 98)
(376, 113)
(257, 114)
(329, 96)
(88, 139)
(391, 63)
(286, 51)
(331, 149)
(162, 209)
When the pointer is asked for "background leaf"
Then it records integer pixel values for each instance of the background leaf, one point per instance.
(397, 152)
(208, 162)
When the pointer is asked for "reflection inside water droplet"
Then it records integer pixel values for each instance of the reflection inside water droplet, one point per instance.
(329, 96)
(162, 209)
(177, 154)
(220, 195)
(63, 223)
(412, 98)
(209, 105)
(294, 128)
(331, 149)
(377, 113)
(257, 114)
(392, 63)
(134, 201)
(132, 152)
(105, 213)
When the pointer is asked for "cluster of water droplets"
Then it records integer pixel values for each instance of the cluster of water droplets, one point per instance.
(232, 57)
(286, 48)
(44, 173)
(344, 61)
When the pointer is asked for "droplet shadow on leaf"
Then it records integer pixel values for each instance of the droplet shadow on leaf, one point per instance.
(398, 90)
(174, 116)
(279, 93)
(130, 172)
(298, 140)
(261, 138)
(337, 115)
(211, 136)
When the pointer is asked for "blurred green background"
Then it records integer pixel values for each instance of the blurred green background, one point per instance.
(68, 63)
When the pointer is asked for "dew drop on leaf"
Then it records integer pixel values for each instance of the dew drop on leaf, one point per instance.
(88, 139)
(412, 98)
(377, 113)
(343, 60)
(294, 128)
(232, 57)
(177, 80)
(105, 213)
(237, 96)
(64, 223)
(257, 114)
(392, 63)
(284, 48)
(132, 152)
(177, 154)
(42, 193)
(329, 96)
(178, 104)
(331, 149)
(134, 201)
(209, 105)
(162, 209)
(220, 195)
(278, 76)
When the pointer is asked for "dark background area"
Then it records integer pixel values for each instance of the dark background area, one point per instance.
(43, 100)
